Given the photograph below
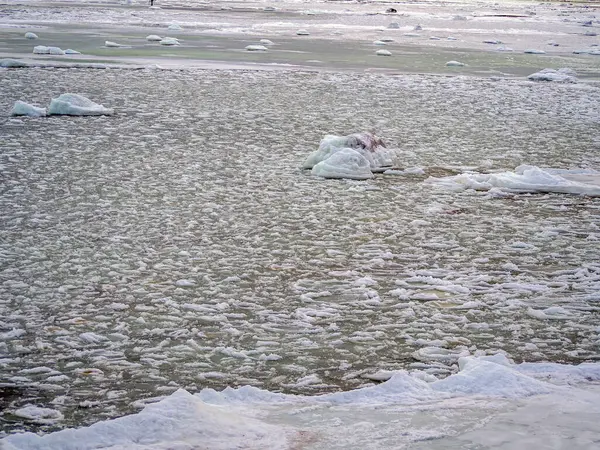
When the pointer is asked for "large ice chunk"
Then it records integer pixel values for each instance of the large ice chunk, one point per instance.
(527, 179)
(564, 75)
(368, 145)
(77, 105)
(346, 163)
(25, 109)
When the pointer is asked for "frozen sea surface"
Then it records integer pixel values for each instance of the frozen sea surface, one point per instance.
(178, 244)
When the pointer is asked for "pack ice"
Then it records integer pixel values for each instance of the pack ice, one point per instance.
(355, 156)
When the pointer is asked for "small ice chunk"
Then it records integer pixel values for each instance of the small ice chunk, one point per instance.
(76, 105)
(185, 283)
(434, 38)
(111, 44)
(383, 53)
(451, 38)
(266, 42)
(38, 415)
(455, 64)
(256, 48)
(12, 63)
(393, 25)
(412, 34)
(533, 51)
(25, 109)
(302, 33)
(175, 27)
(492, 41)
(169, 41)
(153, 38)
(379, 43)
(41, 50)
(30, 35)
(70, 51)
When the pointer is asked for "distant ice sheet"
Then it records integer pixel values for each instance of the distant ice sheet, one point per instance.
(527, 179)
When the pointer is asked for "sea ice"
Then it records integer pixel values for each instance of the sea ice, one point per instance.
(25, 109)
(13, 63)
(383, 53)
(563, 75)
(111, 44)
(76, 105)
(455, 64)
(153, 38)
(30, 35)
(43, 50)
(302, 33)
(38, 415)
(70, 51)
(169, 41)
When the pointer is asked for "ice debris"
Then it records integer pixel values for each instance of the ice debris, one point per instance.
(169, 41)
(256, 48)
(153, 38)
(43, 50)
(30, 35)
(455, 64)
(25, 109)
(383, 53)
(111, 44)
(563, 75)
(76, 105)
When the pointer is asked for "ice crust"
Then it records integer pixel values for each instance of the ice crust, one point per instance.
(527, 178)
(25, 109)
(225, 420)
(360, 154)
(76, 105)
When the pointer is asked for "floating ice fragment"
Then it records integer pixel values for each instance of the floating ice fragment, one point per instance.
(70, 51)
(111, 44)
(30, 35)
(379, 43)
(175, 27)
(13, 63)
(25, 109)
(451, 38)
(169, 41)
(533, 51)
(455, 64)
(38, 415)
(256, 48)
(185, 283)
(383, 53)
(266, 42)
(302, 33)
(563, 75)
(153, 38)
(393, 25)
(443, 355)
(346, 163)
(492, 41)
(76, 105)
(41, 50)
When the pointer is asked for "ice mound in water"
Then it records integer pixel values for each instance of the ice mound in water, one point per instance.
(527, 179)
(153, 38)
(25, 109)
(111, 44)
(12, 63)
(30, 35)
(181, 421)
(77, 105)
(169, 41)
(564, 75)
(366, 145)
(43, 50)
(346, 163)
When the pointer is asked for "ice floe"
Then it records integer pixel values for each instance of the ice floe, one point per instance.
(76, 105)
(527, 179)
(111, 44)
(25, 109)
(455, 64)
(302, 32)
(383, 53)
(345, 163)
(169, 41)
(256, 48)
(30, 35)
(564, 75)
(153, 38)
(43, 50)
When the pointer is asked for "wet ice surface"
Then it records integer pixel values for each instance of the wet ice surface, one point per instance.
(178, 244)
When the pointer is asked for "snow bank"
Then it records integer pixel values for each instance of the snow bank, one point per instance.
(564, 75)
(527, 179)
(368, 152)
(76, 105)
(180, 421)
(25, 109)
